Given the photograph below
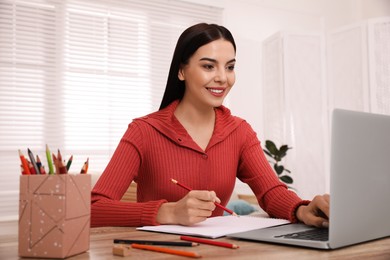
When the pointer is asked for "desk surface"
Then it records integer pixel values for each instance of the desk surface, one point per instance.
(101, 248)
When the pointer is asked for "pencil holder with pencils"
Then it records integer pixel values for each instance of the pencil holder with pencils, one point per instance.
(54, 215)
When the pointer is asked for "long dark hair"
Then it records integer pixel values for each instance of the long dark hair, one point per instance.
(189, 41)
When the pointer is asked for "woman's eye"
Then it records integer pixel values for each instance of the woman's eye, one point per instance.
(230, 67)
(208, 66)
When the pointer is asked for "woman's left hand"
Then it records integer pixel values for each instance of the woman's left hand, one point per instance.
(316, 213)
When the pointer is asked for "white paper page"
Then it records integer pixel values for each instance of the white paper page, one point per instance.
(218, 226)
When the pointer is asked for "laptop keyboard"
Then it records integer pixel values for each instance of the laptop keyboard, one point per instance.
(320, 234)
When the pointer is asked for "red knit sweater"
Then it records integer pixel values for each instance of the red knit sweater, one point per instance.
(157, 148)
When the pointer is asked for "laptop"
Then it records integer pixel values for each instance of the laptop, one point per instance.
(359, 187)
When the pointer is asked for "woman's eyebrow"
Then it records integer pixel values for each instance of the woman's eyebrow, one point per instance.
(214, 60)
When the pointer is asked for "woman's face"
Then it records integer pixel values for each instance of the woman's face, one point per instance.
(209, 74)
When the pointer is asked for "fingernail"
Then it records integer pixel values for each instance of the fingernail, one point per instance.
(325, 224)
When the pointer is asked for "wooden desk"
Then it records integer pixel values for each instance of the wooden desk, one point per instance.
(101, 248)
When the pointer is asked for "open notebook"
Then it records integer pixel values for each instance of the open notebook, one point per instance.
(218, 226)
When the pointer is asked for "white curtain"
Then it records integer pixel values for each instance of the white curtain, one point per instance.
(74, 73)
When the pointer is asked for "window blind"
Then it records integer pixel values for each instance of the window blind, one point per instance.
(74, 73)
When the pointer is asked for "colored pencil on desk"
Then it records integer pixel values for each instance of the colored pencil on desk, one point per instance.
(153, 242)
(26, 169)
(49, 161)
(166, 250)
(216, 204)
(33, 162)
(209, 242)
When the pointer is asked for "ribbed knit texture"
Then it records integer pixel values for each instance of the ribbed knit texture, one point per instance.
(157, 148)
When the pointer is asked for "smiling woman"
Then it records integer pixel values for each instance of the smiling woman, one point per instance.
(193, 139)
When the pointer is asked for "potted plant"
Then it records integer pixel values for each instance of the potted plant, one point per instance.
(277, 154)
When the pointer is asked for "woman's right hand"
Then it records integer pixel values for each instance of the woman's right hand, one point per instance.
(195, 207)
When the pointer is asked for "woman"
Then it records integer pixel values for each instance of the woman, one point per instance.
(195, 140)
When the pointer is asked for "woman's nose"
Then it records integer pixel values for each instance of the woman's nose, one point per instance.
(220, 75)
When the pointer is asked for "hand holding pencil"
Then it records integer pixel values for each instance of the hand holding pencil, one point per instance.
(216, 203)
(196, 206)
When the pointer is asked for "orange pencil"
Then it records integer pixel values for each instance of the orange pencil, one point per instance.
(26, 170)
(84, 169)
(166, 250)
(216, 204)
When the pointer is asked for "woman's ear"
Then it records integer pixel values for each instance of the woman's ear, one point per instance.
(180, 74)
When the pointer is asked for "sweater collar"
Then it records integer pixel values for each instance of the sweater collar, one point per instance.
(167, 124)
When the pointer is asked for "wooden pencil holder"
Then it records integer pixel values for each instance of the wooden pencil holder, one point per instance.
(54, 215)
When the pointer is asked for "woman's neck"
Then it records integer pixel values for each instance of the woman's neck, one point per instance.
(195, 115)
(199, 123)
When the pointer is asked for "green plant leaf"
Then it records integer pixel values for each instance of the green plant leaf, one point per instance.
(271, 147)
(284, 148)
(283, 151)
(286, 179)
(278, 168)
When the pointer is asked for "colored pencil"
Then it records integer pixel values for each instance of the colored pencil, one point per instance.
(39, 163)
(33, 162)
(152, 242)
(61, 166)
(40, 166)
(84, 169)
(209, 242)
(31, 167)
(216, 204)
(166, 250)
(49, 161)
(69, 162)
(26, 170)
(56, 164)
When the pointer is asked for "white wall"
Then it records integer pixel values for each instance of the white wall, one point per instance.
(251, 22)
